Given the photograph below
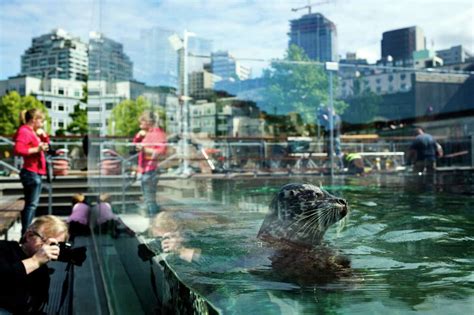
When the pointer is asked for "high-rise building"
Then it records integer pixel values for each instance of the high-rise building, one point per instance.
(199, 50)
(154, 57)
(316, 35)
(454, 55)
(56, 55)
(201, 84)
(198, 55)
(107, 60)
(401, 43)
(227, 67)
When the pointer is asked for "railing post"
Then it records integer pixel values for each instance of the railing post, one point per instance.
(123, 185)
(472, 150)
(50, 186)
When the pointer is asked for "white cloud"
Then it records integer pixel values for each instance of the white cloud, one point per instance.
(247, 28)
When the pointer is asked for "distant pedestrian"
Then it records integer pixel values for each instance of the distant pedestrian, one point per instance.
(423, 152)
(79, 218)
(103, 212)
(31, 141)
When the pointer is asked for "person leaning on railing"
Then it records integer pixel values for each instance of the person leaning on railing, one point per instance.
(31, 141)
(24, 273)
(424, 151)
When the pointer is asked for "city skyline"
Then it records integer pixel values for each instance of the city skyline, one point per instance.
(256, 29)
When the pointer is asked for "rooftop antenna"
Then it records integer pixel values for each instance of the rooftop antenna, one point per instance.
(309, 5)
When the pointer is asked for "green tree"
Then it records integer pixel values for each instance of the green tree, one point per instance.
(363, 105)
(11, 105)
(124, 118)
(79, 124)
(85, 94)
(295, 84)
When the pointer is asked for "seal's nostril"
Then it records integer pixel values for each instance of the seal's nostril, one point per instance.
(342, 201)
(343, 212)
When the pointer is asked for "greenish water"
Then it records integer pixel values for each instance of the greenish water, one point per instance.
(410, 240)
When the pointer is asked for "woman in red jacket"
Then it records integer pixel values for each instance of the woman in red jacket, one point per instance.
(31, 142)
(150, 142)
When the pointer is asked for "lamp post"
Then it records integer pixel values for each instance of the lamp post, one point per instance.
(50, 188)
(182, 45)
(331, 67)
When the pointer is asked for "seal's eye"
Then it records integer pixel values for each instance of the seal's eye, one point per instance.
(318, 194)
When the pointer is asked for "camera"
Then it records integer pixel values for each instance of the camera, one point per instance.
(68, 254)
(147, 251)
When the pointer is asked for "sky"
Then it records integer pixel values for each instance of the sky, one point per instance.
(247, 28)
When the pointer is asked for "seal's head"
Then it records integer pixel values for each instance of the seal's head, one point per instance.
(301, 214)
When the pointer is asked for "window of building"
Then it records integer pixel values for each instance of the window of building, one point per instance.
(61, 124)
(77, 93)
(109, 106)
(47, 104)
(61, 91)
(34, 62)
(94, 92)
(390, 78)
(94, 109)
(60, 107)
(403, 76)
(51, 60)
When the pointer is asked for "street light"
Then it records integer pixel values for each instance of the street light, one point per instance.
(331, 67)
(182, 44)
(50, 188)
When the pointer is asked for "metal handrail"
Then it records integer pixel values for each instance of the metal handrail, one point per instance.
(10, 167)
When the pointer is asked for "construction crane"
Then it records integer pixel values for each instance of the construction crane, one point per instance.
(309, 5)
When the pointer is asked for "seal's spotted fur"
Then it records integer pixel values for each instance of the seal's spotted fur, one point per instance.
(301, 213)
(299, 216)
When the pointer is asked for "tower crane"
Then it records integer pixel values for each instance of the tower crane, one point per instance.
(309, 5)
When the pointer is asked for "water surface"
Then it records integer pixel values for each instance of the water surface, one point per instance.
(410, 240)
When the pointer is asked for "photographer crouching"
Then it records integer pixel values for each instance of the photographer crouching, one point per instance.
(23, 266)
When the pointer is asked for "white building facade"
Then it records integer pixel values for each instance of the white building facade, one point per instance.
(56, 55)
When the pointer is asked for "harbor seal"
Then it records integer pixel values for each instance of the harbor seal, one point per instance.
(294, 227)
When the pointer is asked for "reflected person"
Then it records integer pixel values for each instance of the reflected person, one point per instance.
(169, 229)
(150, 142)
(23, 266)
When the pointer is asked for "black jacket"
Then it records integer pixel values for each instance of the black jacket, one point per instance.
(21, 293)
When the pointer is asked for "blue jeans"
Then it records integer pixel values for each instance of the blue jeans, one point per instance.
(149, 187)
(31, 182)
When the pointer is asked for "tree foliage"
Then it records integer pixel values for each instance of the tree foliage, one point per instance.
(297, 85)
(124, 118)
(79, 124)
(363, 105)
(11, 105)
